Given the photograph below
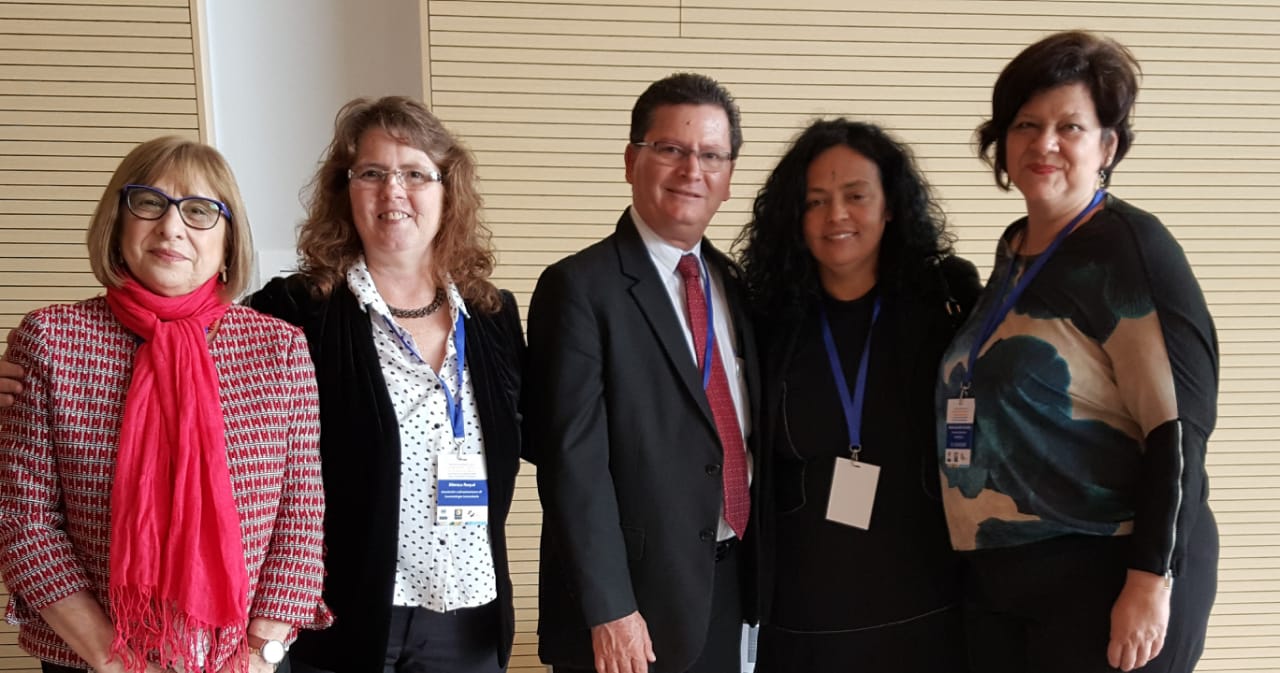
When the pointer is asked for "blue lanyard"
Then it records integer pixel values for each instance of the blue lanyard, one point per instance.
(452, 404)
(852, 406)
(993, 319)
(709, 343)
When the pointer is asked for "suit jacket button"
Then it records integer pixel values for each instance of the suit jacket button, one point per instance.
(713, 469)
(707, 535)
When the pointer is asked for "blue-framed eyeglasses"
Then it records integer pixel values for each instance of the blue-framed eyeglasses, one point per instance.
(196, 212)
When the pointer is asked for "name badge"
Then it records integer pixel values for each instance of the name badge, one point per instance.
(959, 449)
(853, 492)
(462, 490)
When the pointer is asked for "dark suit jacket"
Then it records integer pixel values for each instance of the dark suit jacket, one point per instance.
(360, 461)
(629, 459)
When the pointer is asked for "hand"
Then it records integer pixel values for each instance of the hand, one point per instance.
(623, 645)
(10, 382)
(256, 665)
(1139, 619)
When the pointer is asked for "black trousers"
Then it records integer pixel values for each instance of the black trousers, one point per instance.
(722, 651)
(1046, 607)
(423, 641)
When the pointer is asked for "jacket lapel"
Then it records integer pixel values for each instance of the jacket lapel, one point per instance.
(651, 297)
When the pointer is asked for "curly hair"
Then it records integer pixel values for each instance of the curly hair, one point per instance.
(1104, 66)
(780, 272)
(462, 251)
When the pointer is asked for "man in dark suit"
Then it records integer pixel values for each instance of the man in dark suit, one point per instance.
(639, 397)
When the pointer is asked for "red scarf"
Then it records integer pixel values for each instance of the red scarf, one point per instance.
(178, 581)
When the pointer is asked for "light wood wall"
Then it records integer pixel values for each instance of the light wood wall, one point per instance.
(81, 83)
(542, 91)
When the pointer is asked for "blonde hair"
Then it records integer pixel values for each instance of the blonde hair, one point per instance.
(184, 162)
(462, 251)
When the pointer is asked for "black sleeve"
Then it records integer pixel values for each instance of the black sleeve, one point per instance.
(564, 396)
(513, 333)
(1172, 490)
(290, 299)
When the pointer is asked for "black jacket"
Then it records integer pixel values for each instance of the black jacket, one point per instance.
(360, 460)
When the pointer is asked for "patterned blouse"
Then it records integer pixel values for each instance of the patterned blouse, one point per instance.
(1095, 397)
(57, 454)
(438, 567)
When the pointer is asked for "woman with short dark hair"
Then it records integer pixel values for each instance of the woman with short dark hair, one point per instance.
(1076, 403)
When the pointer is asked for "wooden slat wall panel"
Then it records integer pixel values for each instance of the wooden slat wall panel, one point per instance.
(542, 92)
(81, 83)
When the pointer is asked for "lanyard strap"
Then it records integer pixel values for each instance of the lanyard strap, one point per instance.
(709, 343)
(452, 404)
(993, 319)
(852, 405)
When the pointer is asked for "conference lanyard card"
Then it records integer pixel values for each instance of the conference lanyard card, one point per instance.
(960, 415)
(462, 490)
(853, 492)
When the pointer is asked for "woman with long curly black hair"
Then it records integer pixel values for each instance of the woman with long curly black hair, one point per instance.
(856, 293)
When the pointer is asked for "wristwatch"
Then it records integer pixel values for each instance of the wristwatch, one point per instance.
(271, 651)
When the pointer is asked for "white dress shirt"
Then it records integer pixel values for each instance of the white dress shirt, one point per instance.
(665, 257)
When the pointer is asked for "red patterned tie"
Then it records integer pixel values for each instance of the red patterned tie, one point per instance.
(737, 497)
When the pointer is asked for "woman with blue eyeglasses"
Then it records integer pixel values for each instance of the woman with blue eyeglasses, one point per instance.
(160, 496)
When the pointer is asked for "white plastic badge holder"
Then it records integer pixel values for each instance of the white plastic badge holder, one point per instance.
(462, 490)
(853, 492)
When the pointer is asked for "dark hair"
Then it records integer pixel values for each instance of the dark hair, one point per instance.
(781, 273)
(1104, 66)
(328, 243)
(685, 88)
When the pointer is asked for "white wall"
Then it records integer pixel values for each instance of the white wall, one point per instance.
(279, 70)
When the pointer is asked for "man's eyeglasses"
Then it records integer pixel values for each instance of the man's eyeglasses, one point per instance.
(196, 212)
(674, 155)
(410, 179)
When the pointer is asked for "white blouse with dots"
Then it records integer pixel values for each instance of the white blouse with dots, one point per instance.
(440, 568)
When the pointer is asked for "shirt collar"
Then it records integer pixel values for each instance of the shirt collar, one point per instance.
(362, 286)
(664, 254)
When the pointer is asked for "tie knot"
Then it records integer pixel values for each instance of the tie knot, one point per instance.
(688, 269)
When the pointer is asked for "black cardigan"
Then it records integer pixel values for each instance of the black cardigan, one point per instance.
(360, 459)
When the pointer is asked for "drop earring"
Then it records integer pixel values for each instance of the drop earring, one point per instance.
(222, 275)
(1102, 178)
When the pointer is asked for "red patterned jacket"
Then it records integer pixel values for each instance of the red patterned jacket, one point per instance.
(57, 456)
